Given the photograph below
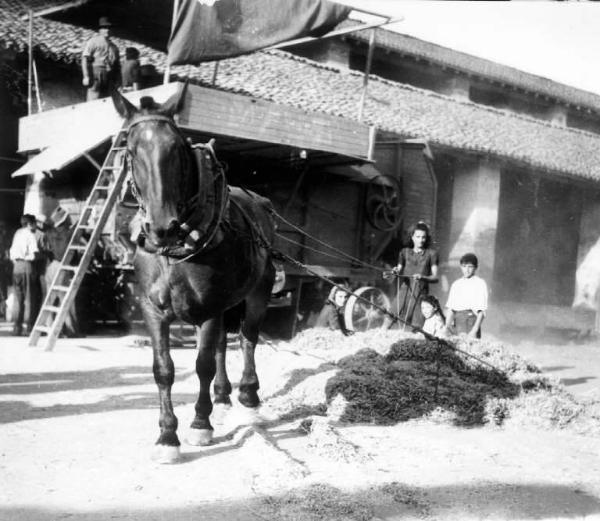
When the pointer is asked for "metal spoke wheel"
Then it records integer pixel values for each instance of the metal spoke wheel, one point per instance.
(383, 203)
(362, 314)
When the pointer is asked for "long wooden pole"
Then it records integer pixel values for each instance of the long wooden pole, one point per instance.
(173, 20)
(30, 64)
(333, 34)
(38, 94)
(363, 95)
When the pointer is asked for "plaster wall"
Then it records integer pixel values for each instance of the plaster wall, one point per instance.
(537, 239)
(457, 87)
(474, 218)
(587, 276)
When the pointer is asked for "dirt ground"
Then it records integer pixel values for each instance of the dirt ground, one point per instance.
(77, 427)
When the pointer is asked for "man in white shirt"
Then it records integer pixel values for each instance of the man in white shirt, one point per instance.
(26, 254)
(467, 300)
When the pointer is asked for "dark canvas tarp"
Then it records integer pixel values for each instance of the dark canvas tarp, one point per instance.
(208, 30)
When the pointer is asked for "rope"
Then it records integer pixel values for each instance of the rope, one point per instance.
(343, 254)
(396, 317)
(305, 247)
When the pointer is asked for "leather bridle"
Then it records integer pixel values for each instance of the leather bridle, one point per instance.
(198, 228)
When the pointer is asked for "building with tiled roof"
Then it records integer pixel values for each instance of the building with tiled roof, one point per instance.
(483, 69)
(393, 107)
(512, 170)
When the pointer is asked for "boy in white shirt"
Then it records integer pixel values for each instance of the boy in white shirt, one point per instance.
(467, 300)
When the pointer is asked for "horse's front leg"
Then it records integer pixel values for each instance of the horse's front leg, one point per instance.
(210, 335)
(167, 445)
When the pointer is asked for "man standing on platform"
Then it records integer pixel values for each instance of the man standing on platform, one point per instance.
(100, 63)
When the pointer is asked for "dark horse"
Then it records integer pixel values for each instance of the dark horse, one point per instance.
(203, 256)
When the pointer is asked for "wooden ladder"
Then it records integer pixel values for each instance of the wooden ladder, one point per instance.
(81, 247)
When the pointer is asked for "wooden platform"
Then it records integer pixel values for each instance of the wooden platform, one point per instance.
(240, 123)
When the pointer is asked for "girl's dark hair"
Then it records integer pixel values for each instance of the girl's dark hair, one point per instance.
(423, 227)
(435, 303)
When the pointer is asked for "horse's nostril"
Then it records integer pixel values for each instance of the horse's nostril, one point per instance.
(174, 227)
(160, 233)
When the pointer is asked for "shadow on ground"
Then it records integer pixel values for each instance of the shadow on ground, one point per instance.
(390, 501)
(40, 383)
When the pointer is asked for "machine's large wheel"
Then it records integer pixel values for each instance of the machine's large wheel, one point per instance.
(383, 203)
(362, 315)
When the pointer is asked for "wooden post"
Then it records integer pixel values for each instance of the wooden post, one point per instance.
(38, 95)
(30, 64)
(366, 76)
(297, 308)
(215, 72)
(173, 20)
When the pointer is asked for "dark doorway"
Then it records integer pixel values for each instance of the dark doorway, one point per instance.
(537, 239)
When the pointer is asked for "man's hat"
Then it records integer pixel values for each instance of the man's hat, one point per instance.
(60, 216)
(104, 22)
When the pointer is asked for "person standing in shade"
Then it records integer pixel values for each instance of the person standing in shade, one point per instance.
(130, 70)
(100, 63)
(467, 300)
(26, 256)
(58, 237)
(417, 268)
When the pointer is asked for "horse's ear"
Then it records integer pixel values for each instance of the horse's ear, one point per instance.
(175, 103)
(123, 106)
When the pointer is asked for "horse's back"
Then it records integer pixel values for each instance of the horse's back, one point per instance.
(255, 208)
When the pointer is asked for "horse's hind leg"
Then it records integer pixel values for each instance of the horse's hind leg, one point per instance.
(167, 445)
(222, 385)
(256, 308)
(210, 335)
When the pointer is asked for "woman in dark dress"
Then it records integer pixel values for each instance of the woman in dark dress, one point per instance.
(417, 267)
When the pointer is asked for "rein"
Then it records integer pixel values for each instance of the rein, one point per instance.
(201, 215)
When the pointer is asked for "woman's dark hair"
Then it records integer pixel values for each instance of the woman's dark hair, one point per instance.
(424, 228)
(435, 303)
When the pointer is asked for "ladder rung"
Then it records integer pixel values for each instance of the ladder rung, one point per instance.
(118, 167)
(69, 268)
(54, 309)
(77, 248)
(43, 329)
(116, 149)
(60, 288)
(86, 227)
(102, 187)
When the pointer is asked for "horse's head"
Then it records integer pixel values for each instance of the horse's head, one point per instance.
(163, 170)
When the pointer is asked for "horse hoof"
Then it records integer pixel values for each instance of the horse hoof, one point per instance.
(249, 416)
(165, 454)
(219, 413)
(199, 437)
(249, 399)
